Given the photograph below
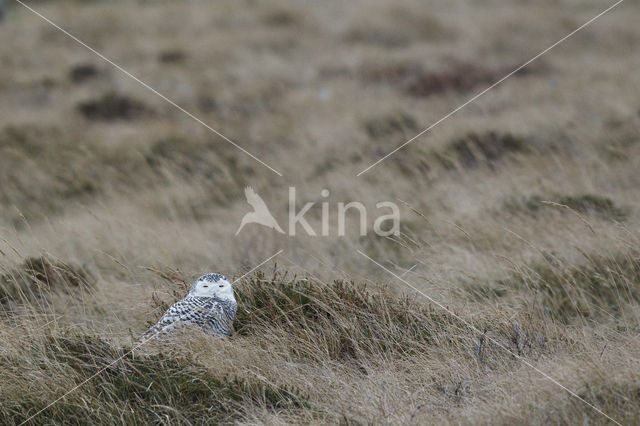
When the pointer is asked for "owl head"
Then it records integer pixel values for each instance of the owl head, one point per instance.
(212, 285)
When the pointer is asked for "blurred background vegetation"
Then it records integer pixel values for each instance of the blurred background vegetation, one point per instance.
(520, 212)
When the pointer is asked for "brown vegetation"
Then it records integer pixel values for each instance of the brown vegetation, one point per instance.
(519, 213)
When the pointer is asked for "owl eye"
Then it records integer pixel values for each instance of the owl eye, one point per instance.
(221, 285)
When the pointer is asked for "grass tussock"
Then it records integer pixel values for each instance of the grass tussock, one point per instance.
(461, 77)
(458, 77)
(37, 277)
(82, 73)
(128, 387)
(620, 396)
(346, 319)
(486, 148)
(472, 151)
(603, 288)
(594, 204)
(113, 106)
(393, 124)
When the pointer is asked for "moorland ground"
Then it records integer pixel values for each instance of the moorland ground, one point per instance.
(519, 213)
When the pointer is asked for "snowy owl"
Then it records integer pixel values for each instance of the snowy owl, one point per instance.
(209, 306)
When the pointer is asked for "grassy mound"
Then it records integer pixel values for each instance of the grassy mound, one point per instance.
(342, 320)
(603, 287)
(127, 388)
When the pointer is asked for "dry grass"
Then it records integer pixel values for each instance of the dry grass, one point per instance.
(520, 212)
